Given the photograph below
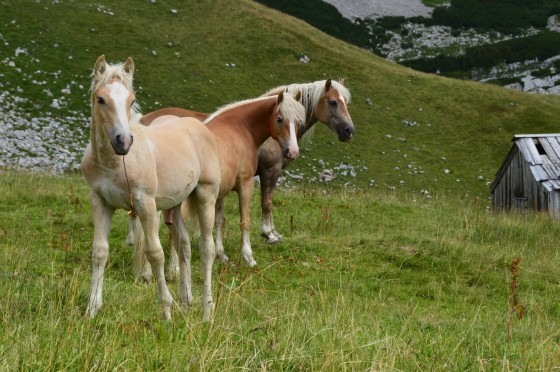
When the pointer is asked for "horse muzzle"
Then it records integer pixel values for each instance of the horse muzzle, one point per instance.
(345, 131)
(291, 152)
(122, 143)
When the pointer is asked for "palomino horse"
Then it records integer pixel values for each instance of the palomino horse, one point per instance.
(325, 101)
(166, 165)
(240, 128)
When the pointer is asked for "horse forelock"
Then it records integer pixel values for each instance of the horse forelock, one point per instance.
(292, 109)
(113, 72)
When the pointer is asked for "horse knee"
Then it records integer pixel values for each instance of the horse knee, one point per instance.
(266, 204)
(154, 255)
(99, 253)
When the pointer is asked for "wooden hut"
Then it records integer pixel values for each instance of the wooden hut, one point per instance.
(529, 177)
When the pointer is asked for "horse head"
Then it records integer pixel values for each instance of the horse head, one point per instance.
(332, 109)
(113, 102)
(288, 116)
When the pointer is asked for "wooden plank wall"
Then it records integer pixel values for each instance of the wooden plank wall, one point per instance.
(518, 188)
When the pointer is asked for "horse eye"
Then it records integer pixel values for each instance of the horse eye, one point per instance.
(333, 103)
(100, 100)
(279, 120)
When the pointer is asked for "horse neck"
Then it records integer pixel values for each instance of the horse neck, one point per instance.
(310, 120)
(101, 148)
(255, 119)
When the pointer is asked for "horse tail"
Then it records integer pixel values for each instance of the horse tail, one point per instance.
(190, 215)
(141, 267)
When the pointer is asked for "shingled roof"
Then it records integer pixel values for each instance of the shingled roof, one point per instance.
(542, 152)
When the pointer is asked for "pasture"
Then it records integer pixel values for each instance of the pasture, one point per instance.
(362, 281)
(374, 273)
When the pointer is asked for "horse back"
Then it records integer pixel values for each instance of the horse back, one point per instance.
(148, 118)
(186, 153)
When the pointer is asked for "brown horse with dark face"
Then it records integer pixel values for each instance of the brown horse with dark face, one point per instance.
(325, 101)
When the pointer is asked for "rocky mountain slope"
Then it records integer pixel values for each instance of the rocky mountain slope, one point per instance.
(413, 39)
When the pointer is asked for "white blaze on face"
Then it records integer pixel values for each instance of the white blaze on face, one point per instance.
(119, 94)
(343, 101)
(293, 148)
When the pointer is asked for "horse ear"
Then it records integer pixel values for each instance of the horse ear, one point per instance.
(280, 98)
(100, 66)
(129, 66)
(341, 81)
(298, 96)
(328, 85)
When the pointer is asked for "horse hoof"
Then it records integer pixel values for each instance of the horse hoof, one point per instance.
(274, 240)
(146, 278)
(166, 314)
(223, 259)
(252, 263)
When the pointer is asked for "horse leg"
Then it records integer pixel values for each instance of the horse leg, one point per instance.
(173, 262)
(155, 256)
(181, 241)
(268, 179)
(130, 236)
(245, 193)
(205, 200)
(102, 215)
(220, 222)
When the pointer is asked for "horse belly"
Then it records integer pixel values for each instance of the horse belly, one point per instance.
(175, 187)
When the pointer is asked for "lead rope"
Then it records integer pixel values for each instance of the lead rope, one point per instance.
(132, 212)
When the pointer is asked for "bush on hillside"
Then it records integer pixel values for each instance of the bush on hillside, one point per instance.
(507, 16)
(541, 46)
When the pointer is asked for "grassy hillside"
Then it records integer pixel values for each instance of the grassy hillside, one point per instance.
(361, 282)
(182, 52)
(369, 279)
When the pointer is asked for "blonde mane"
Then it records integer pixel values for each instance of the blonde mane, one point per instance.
(291, 108)
(233, 105)
(113, 72)
(311, 93)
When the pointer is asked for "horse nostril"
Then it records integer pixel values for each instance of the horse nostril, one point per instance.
(349, 130)
(119, 139)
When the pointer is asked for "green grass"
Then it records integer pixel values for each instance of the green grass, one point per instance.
(363, 280)
(464, 127)
(366, 278)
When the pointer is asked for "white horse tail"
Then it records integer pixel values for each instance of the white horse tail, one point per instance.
(141, 267)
